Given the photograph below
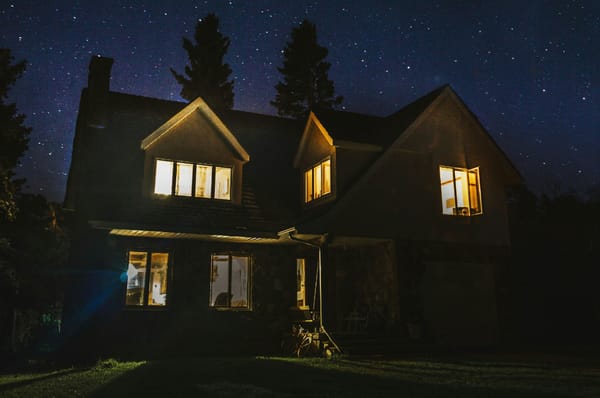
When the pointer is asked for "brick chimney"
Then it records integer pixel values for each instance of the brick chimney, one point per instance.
(98, 87)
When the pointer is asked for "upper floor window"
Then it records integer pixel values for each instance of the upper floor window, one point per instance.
(192, 179)
(461, 192)
(230, 281)
(317, 181)
(147, 276)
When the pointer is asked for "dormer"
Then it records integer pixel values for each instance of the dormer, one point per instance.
(316, 161)
(334, 150)
(193, 157)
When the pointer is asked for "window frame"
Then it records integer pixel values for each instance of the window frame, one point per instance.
(213, 167)
(148, 270)
(312, 171)
(230, 255)
(301, 264)
(467, 172)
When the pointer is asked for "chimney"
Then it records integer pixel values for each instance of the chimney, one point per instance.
(98, 87)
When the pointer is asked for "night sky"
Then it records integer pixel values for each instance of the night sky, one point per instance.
(528, 69)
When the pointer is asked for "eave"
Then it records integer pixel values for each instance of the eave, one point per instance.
(200, 106)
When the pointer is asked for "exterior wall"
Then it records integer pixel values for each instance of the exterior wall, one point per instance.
(366, 284)
(99, 323)
(452, 137)
(194, 140)
(351, 163)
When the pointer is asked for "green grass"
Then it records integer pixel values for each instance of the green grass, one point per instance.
(448, 376)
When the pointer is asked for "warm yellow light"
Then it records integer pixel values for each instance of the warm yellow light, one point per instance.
(326, 176)
(223, 183)
(460, 191)
(183, 181)
(163, 177)
(203, 181)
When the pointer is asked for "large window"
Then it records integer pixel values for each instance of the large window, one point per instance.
(147, 276)
(230, 281)
(461, 192)
(317, 181)
(192, 179)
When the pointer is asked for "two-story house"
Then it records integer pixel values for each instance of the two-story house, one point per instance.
(197, 232)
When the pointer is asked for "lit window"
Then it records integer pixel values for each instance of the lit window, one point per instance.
(197, 180)
(229, 281)
(163, 181)
(183, 179)
(203, 181)
(147, 275)
(222, 183)
(317, 181)
(301, 283)
(461, 192)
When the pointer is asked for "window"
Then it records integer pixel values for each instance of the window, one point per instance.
(147, 276)
(189, 179)
(461, 192)
(301, 283)
(317, 181)
(229, 281)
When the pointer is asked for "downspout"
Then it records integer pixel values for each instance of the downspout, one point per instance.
(319, 268)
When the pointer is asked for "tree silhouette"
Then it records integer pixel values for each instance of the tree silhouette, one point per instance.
(306, 85)
(13, 135)
(207, 74)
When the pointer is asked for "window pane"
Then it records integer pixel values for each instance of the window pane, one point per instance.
(183, 179)
(318, 180)
(239, 281)
(222, 183)
(219, 281)
(308, 186)
(203, 181)
(446, 180)
(300, 283)
(163, 177)
(158, 279)
(462, 192)
(136, 278)
(326, 176)
(474, 191)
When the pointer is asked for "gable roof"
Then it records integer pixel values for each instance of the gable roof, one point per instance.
(398, 125)
(198, 105)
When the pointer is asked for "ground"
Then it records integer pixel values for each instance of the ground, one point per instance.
(522, 375)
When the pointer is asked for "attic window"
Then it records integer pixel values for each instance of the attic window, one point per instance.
(461, 192)
(317, 181)
(192, 179)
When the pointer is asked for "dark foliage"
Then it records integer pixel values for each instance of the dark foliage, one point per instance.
(33, 252)
(207, 74)
(13, 135)
(306, 85)
(555, 274)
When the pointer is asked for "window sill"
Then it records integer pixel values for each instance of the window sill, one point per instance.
(145, 308)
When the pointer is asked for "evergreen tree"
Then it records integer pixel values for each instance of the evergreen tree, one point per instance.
(207, 74)
(306, 85)
(13, 135)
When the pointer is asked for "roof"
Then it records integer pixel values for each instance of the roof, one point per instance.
(200, 106)
(105, 162)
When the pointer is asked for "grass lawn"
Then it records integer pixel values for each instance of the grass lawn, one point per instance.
(410, 376)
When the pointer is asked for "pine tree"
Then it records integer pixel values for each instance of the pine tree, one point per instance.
(306, 85)
(13, 135)
(207, 74)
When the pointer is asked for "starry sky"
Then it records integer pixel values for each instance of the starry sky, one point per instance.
(528, 69)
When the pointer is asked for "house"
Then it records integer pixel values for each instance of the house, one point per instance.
(201, 232)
